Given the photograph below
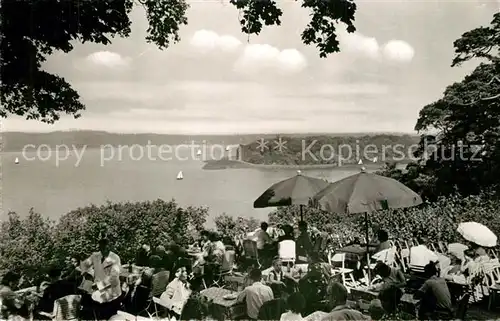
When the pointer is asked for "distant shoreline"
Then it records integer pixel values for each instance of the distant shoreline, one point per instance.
(238, 164)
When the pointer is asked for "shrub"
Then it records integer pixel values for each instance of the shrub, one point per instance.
(26, 245)
(31, 244)
(229, 226)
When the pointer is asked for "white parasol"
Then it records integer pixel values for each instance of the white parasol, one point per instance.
(477, 233)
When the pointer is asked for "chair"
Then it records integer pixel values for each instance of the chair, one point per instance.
(250, 251)
(442, 247)
(226, 268)
(349, 281)
(405, 259)
(286, 251)
(159, 282)
(66, 308)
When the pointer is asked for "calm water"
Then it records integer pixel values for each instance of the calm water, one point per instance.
(56, 189)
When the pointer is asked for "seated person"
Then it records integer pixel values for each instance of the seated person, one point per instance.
(454, 271)
(255, 295)
(178, 291)
(383, 239)
(340, 311)
(314, 287)
(207, 249)
(142, 258)
(53, 289)
(10, 303)
(435, 296)
(389, 300)
(295, 305)
(73, 273)
(391, 277)
(326, 268)
(279, 279)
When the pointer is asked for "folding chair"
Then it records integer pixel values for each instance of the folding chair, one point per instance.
(226, 269)
(250, 251)
(66, 308)
(286, 252)
(405, 259)
(349, 281)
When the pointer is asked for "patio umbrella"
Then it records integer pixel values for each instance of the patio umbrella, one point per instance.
(477, 233)
(297, 190)
(363, 193)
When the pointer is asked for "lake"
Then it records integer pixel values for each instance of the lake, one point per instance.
(55, 189)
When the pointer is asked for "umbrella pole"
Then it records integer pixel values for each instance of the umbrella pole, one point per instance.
(301, 212)
(367, 248)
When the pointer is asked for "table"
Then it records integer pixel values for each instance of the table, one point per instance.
(354, 254)
(408, 303)
(221, 308)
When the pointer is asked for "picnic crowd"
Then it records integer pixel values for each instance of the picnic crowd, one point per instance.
(274, 273)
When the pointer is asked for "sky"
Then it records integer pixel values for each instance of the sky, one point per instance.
(217, 80)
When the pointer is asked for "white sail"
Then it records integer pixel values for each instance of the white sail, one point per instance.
(198, 153)
(16, 160)
(360, 162)
(227, 148)
(375, 159)
(180, 176)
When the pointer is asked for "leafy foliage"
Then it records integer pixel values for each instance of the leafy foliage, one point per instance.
(32, 244)
(438, 221)
(32, 30)
(229, 226)
(26, 244)
(464, 155)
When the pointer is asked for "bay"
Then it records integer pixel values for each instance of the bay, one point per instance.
(55, 188)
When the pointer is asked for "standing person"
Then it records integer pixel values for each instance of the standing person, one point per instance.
(106, 267)
(255, 295)
(263, 242)
(287, 233)
(303, 244)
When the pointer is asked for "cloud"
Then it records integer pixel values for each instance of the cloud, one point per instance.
(361, 45)
(108, 59)
(399, 51)
(207, 40)
(256, 57)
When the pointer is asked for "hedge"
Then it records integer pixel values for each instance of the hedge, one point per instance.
(33, 244)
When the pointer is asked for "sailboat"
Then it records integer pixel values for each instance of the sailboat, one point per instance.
(227, 148)
(180, 176)
(198, 153)
(16, 161)
(375, 159)
(360, 162)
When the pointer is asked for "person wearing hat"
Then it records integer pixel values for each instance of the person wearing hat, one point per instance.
(105, 266)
